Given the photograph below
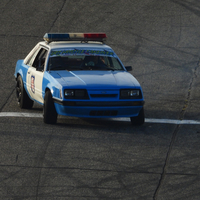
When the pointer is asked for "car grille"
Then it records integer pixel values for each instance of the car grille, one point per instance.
(103, 95)
(103, 113)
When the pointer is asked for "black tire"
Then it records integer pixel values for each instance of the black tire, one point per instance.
(138, 120)
(22, 97)
(49, 112)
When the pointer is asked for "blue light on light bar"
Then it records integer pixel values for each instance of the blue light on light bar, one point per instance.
(50, 37)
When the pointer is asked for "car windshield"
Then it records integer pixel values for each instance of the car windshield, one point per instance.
(83, 62)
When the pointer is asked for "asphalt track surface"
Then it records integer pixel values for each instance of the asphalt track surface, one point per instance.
(106, 159)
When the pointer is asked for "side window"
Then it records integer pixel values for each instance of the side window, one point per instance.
(39, 60)
(32, 57)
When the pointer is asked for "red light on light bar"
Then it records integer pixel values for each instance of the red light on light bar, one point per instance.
(95, 35)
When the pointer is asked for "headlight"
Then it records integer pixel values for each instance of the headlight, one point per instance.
(130, 94)
(76, 94)
(69, 93)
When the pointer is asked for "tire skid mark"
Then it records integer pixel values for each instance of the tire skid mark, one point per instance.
(174, 134)
(40, 162)
(9, 96)
(58, 13)
(181, 116)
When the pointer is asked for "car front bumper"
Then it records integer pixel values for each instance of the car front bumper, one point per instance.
(103, 109)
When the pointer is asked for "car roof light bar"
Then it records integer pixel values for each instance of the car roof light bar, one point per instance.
(56, 37)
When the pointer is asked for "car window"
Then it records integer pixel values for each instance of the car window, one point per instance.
(39, 59)
(84, 62)
(32, 57)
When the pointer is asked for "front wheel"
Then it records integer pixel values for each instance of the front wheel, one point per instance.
(49, 112)
(22, 97)
(138, 120)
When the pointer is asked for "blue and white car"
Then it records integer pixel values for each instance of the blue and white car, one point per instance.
(78, 75)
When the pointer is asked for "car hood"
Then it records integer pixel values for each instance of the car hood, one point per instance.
(95, 79)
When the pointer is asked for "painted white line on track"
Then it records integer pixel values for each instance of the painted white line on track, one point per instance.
(172, 121)
(147, 120)
(16, 114)
(163, 121)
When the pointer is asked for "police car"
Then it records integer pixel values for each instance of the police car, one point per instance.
(78, 75)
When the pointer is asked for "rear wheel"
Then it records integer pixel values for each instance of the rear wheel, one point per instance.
(49, 112)
(138, 120)
(22, 97)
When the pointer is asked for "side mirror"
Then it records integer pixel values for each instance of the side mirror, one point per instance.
(128, 68)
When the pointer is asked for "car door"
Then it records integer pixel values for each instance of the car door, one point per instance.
(35, 74)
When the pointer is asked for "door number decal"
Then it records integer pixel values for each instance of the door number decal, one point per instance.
(33, 84)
